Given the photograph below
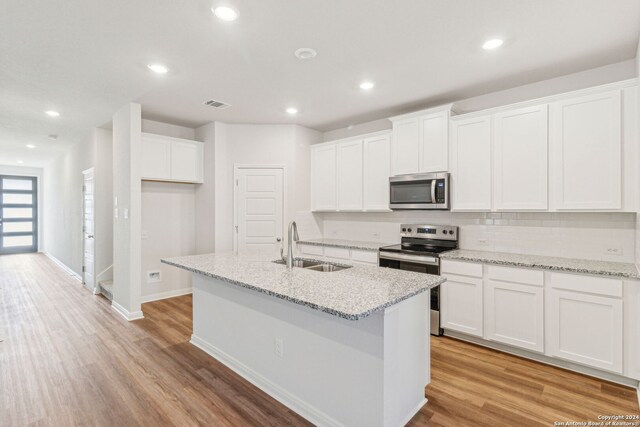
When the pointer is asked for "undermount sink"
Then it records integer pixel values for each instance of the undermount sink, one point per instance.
(315, 265)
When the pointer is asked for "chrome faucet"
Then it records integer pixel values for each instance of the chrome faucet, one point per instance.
(293, 235)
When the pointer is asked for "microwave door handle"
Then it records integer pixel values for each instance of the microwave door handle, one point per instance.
(433, 191)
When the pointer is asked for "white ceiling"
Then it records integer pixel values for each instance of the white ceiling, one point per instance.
(87, 58)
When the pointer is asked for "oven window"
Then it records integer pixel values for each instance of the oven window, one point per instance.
(411, 192)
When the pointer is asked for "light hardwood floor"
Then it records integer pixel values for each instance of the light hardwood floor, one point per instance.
(68, 359)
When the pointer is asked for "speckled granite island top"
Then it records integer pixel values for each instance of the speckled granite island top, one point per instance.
(349, 244)
(352, 293)
(571, 265)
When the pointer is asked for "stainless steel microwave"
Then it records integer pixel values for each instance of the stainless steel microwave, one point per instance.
(419, 191)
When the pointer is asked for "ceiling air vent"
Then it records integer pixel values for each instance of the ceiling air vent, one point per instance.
(216, 104)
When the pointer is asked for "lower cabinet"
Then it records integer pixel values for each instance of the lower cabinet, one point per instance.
(586, 329)
(461, 304)
(514, 314)
(632, 330)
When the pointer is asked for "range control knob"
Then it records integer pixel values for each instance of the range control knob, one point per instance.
(450, 231)
(444, 231)
(409, 230)
(404, 229)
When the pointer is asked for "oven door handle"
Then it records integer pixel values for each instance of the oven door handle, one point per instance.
(419, 259)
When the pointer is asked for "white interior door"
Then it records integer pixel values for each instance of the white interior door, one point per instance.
(259, 208)
(88, 230)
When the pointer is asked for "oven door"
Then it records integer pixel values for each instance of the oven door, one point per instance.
(421, 191)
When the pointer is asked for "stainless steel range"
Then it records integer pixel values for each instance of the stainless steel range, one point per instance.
(419, 250)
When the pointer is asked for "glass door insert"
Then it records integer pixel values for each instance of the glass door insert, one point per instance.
(18, 214)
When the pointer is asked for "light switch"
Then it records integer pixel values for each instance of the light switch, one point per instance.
(115, 213)
(126, 213)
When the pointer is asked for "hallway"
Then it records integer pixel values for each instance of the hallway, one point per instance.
(67, 359)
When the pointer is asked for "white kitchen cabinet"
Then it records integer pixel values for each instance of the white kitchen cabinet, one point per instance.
(471, 164)
(461, 297)
(186, 161)
(166, 158)
(520, 159)
(514, 307)
(349, 175)
(405, 149)
(323, 177)
(585, 320)
(586, 149)
(632, 329)
(376, 173)
(434, 139)
(156, 157)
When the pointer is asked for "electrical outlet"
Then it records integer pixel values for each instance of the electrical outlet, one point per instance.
(482, 241)
(153, 276)
(279, 347)
(613, 250)
(376, 235)
(144, 235)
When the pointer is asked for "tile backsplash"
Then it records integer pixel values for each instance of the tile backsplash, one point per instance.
(598, 236)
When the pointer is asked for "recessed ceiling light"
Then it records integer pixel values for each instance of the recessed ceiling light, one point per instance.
(492, 44)
(158, 68)
(52, 113)
(225, 13)
(31, 146)
(20, 162)
(292, 111)
(53, 136)
(305, 53)
(367, 85)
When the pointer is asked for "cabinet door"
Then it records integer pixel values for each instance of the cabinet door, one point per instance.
(323, 178)
(471, 164)
(585, 141)
(434, 149)
(405, 147)
(515, 314)
(461, 304)
(586, 329)
(520, 159)
(632, 329)
(156, 158)
(349, 175)
(186, 161)
(376, 173)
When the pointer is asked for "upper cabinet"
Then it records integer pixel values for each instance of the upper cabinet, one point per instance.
(376, 172)
(421, 142)
(351, 174)
(586, 152)
(471, 164)
(520, 159)
(171, 159)
(323, 178)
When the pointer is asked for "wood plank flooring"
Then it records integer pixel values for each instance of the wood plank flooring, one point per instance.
(66, 358)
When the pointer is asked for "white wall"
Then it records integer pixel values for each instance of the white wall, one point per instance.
(205, 193)
(103, 202)
(168, 230)
(573, 235)
(286, 145)
(584, 79)
(62, 195)
(38, 173)
(638, 165)
(168, 225)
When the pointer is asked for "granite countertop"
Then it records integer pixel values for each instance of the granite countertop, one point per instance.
(572, 265)
(353, 293)
(349, 244)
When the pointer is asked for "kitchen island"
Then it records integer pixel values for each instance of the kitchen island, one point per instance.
(347, 347)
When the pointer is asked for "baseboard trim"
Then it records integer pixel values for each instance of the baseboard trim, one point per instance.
(297, 405)
(167, 294)
(136, 315)
(548, 360)
(63, 266)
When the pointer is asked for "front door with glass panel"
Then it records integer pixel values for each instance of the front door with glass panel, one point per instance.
(18, 214)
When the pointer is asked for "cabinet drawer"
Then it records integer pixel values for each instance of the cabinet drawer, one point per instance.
(311, 250)
(516, 275)
(587, 284)
(369, 257)
(341, 253)
(461, 268)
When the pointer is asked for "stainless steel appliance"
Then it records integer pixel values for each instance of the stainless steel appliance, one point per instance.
(419, 250)
(419, 191)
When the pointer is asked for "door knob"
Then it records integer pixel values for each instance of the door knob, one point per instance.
(278, 239)
(90, 236)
